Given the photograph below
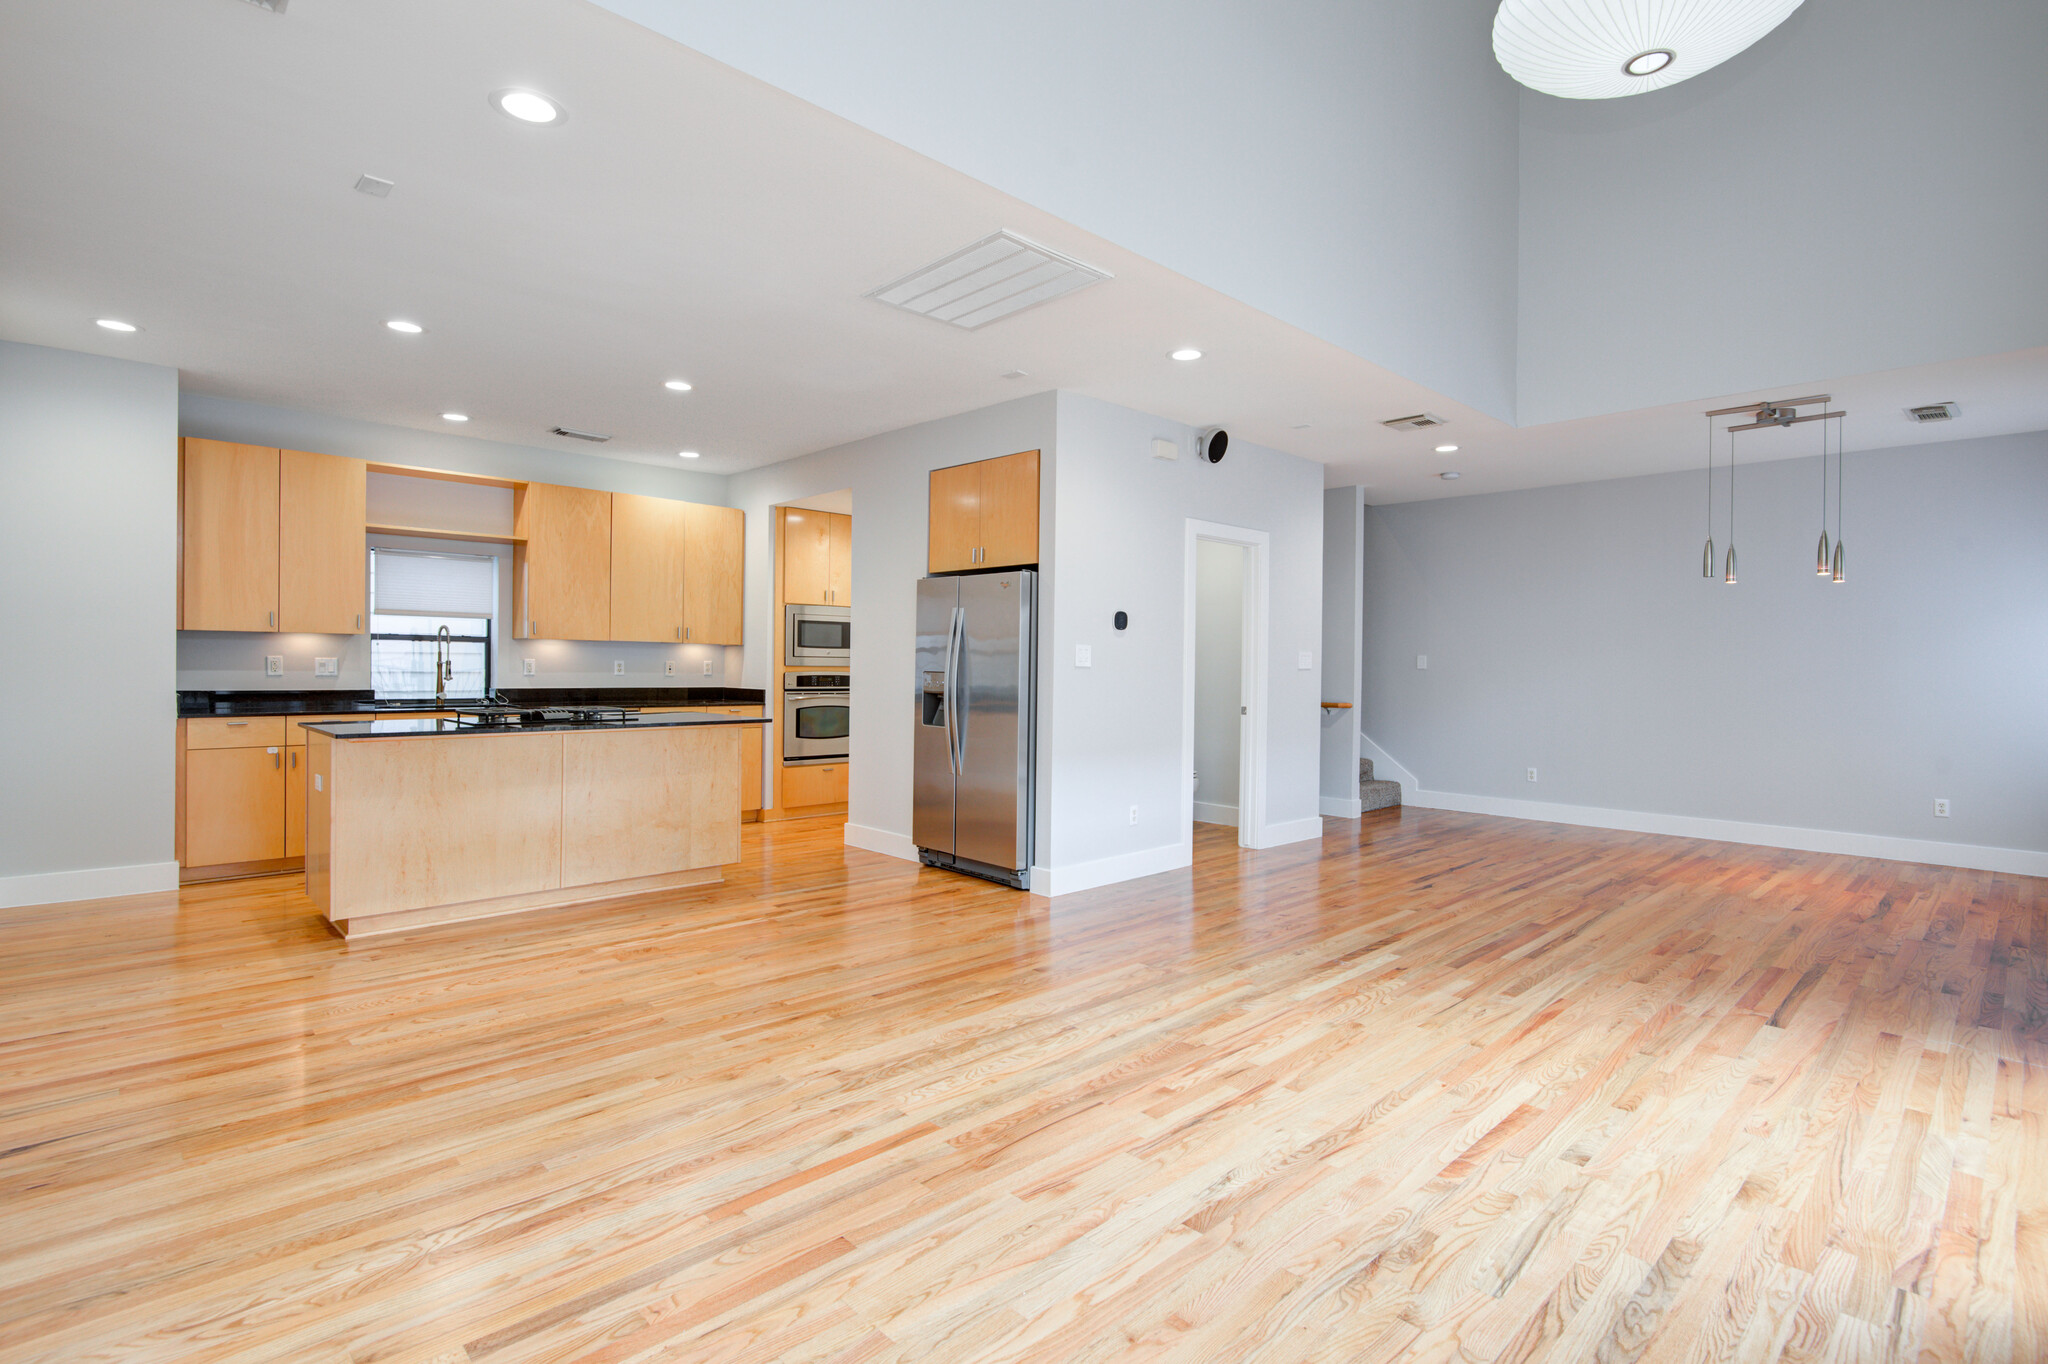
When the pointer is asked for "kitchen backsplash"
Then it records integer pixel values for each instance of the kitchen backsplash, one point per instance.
(224, 661)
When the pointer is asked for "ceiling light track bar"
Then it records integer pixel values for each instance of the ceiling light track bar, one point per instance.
(1772, 402)
(1787, 421)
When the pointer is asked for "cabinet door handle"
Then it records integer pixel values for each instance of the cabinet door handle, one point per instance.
(238, 724)
(273, 620)
(359, 620)
(275, 760)
(295, 760)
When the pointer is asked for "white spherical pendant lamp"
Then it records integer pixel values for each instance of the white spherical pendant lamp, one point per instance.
(1601, 49)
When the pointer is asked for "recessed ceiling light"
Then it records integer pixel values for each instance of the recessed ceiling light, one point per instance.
(1649, 63)
(399, 324)
(1187, 353)
(528, 106)
(1446, 449)
(1450, 475)
(687, 454)
(679, 385)
(454, 416)
(113, 324)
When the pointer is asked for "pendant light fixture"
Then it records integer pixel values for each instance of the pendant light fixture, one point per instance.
(1827, 559)
(1601, 49)
(1729, 576)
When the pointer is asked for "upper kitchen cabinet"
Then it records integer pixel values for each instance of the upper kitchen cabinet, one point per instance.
(322, 508)
(227, 536)
(817, 557)
(270, 540)
(647, 568)
(562, 562)
(714, 573)
(985, 514)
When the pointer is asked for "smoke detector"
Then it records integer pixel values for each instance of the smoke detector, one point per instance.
(993, 278)
(1421, 421)
(590, 436)
(1933, 412)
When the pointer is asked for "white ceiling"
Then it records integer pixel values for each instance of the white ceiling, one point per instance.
(189, 167)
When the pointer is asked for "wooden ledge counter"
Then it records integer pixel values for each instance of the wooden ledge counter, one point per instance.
(418, 822)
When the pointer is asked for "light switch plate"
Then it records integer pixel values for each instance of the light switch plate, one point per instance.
(669, 667)
(1162, 448)
(326, 667)
(1084, 656)
(318, 785)
(526, 666)
(273, 665)
(1305, 660)
(1422, 660)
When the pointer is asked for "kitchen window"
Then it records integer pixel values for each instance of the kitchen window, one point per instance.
(413, 595)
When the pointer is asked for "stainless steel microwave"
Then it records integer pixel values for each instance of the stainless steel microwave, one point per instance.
(817, 636)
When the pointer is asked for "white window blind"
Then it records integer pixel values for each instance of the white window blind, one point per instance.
(411, 583)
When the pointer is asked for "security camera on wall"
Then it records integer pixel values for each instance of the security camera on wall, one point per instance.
(1212, 444)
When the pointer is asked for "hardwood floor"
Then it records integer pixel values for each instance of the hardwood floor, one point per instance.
(1443, 1087)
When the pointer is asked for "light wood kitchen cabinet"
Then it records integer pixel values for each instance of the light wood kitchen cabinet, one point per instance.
(714, 573)
(814, 784)
(817, 557)
(295, 800)
(750, 747)
(985, 514)
(322, 510)
(562, 562)
(271, 540)
(234, 805)
(227, 536)
(647, 568)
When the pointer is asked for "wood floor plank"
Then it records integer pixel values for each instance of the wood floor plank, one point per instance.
(1440, 1087)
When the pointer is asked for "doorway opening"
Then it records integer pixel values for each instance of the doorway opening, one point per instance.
(1219, 681)
(1223, 672)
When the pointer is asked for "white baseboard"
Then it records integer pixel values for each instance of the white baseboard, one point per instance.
(1208, 812)
(1341, 807)
(2016, 861)
(1287, 831)
(91, 883)
(1106, 871)
(880, 841)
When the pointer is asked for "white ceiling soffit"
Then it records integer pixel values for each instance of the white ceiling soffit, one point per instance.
(998, 275)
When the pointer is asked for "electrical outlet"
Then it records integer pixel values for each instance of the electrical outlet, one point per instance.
(1422, 660)
(1084, 657)
(618, 667)
(1941, 807)
(1532, 774)
(326, 667)
(707, 667)
(1305, 660)
(273, 665)
(1134, 814)
(526, 666)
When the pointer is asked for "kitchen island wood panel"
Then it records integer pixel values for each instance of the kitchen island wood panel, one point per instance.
(641, 803)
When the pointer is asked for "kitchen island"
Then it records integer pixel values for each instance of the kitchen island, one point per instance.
(417, 822)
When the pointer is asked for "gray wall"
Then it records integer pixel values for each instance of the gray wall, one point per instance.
(1863, 190)
(233, 661)
(1568, 629)
(88, 554)
(1343, 608)
(1219, 677)
(1349, 168)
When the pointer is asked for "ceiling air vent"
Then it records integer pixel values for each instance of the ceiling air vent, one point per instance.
(993, 278)
(1933, 412)
(1421, 421)
(590, 436)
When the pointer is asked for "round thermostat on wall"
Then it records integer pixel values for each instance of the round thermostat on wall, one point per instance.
(1212, 444)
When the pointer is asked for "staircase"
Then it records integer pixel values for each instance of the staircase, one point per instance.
(1376, 795)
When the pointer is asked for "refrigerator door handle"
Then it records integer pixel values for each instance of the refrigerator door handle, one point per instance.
(953, 692)
(956, 690)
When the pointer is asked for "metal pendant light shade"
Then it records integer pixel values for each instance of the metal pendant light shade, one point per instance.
(1707, 559)
(1729, 576)
(1820, 560)
(1838, 561)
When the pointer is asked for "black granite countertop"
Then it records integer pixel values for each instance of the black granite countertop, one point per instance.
(413, 729)
(336, 701)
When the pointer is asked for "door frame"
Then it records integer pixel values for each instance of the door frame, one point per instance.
(1251, 743)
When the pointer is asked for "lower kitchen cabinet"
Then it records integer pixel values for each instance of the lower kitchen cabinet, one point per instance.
(750, 748)
(295, 800)
(234, 805)
(813, 784)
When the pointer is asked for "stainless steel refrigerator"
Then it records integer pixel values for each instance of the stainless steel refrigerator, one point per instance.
(976, 722)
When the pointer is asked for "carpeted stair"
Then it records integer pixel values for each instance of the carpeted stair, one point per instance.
(1376, 795)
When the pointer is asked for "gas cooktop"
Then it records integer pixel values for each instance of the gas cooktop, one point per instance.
(518, 717)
